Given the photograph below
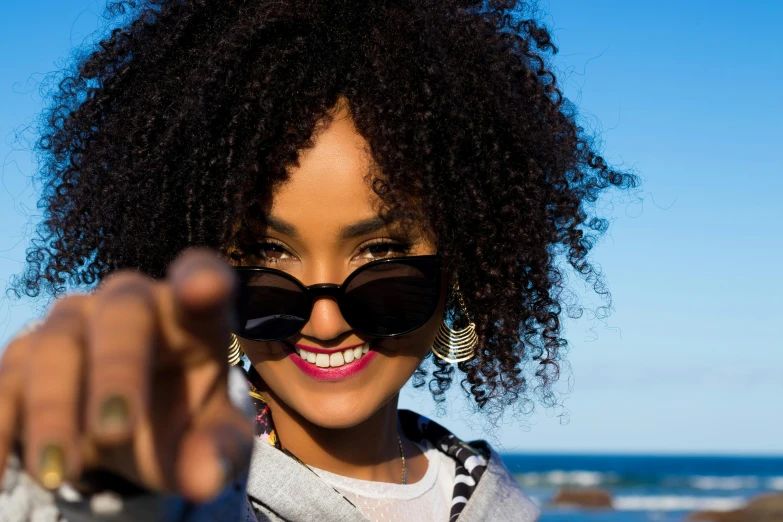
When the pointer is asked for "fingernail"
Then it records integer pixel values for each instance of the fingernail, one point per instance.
(51, 469)
(114, 414)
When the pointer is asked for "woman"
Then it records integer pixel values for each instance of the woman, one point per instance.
(379, 189)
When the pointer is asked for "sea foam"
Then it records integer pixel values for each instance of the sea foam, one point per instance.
(677, 503)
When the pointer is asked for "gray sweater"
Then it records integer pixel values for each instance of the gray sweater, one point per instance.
(277, 488)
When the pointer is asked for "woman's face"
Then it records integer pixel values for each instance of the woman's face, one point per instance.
(320, 226)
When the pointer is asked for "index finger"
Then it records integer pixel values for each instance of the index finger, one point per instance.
(121, 344)
(202, 300)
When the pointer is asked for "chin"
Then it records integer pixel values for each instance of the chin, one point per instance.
(336, 413)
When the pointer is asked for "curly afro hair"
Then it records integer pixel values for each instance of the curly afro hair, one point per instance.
(165, 134)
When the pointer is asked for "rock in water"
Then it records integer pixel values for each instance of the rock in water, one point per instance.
(594, 498)
(765, 508)
(717, 516)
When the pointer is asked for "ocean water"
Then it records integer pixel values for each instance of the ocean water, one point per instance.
(647, 488)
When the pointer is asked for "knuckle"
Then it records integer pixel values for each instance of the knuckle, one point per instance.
(50, 377)
(14, 354)
(121, 334)
(68, 306)
(63, 324)
(124, 366)
(126, 282)
(128, 302)
(122, 321)
(119, 369)
(129, 293)
(51, 348)
(9, 399)
(49, 418)
(197, 260)
(124, 359)
(52, 405)
(8, 390)
(49, 406)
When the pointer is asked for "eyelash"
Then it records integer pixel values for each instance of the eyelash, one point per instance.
(399, 248)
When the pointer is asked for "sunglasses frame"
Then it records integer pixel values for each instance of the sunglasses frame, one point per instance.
(337, 291)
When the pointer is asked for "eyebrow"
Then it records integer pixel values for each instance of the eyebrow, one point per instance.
(354, 230)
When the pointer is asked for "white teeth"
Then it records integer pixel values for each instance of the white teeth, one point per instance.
(322, 360)
(336, 359)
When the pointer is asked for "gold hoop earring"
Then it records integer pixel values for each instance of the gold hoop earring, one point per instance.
(454, 346)
(235, 352)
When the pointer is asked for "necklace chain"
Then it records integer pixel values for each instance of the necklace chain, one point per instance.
(404, 479)
(402, 457)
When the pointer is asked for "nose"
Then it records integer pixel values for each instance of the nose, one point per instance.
(326, 322)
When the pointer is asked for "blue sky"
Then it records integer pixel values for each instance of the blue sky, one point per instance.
(688, 95)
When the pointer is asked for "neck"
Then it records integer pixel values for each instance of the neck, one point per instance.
(368, 451)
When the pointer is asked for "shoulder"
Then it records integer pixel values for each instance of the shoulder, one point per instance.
(498, 495)
(484, 489)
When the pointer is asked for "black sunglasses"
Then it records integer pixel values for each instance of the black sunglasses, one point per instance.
(383, 298)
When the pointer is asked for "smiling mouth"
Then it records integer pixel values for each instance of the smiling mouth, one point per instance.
(327, 365)
(333, 359)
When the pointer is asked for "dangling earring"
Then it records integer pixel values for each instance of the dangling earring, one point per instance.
(455, 346)
(235, 352)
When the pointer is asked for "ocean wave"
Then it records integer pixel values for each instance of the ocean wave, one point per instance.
(724, 483)
(587, 478)
(728, 483)
(676, 503)
(775, 483)
(567, 478)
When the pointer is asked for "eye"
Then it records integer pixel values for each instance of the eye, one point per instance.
(382, 249)
(269, 252)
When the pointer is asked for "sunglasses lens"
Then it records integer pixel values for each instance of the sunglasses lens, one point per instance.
(392, 298)
(270, 307)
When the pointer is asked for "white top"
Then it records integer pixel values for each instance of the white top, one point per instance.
(428, 499)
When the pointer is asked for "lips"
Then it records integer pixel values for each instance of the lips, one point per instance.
(332, 365)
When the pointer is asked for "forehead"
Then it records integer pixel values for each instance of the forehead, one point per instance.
(329, 186)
